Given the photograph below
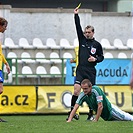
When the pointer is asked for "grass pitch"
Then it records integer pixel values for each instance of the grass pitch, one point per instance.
(57, 124)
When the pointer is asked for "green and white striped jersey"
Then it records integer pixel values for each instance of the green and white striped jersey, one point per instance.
(92, 100)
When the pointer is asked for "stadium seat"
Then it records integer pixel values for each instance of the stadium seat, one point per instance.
(130, 43)
(13, 70)
(37, 43)
(23, 43)
(76, 42)
(67, 55)
(122, 55)
(132, 55)
(118, 44)
(9, 43)
(50, 43)
(106, 44)
(64, 43)
(54, 70)
(40, 57)
(41, 70)
(25, 57)
(12, 56)
(108, 55)
(54, 58)
(26, 70)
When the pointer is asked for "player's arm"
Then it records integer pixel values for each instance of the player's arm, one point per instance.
(6, 63)
(99, 111)
(72, 61)
(76, 106)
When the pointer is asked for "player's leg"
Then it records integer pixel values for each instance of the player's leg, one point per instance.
(120, 115)
(1, 82)
(90, 114)
(76, 116)
(1, 120)
(1, 89)
(77, 89)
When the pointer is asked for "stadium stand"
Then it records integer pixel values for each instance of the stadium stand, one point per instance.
(122, 55)
(50, 43)
(40, 57)
(55, 70)
(23, 43)
(119, 44)
(27, 72)
(26, 58)
(75, 42)
(130, 43)
(41, 70)
(54, 58)
(64, 43)
(67, 55)
(106, 44)
(132, 55)
(12, 55)
(108, 55)
(53, 62)
(9, 43)
(37, 43)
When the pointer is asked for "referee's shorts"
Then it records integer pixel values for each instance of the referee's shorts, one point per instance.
(85, 72)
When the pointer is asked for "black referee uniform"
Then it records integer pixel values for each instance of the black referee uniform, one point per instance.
(87, 47)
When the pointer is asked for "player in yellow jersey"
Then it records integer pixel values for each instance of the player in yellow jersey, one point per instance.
(76, 116)
(3, 26)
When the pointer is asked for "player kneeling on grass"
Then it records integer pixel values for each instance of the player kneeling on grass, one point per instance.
(96, 99)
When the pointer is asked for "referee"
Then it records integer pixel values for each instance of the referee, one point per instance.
(90, 53)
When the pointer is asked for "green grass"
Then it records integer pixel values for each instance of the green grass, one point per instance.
(57, 124)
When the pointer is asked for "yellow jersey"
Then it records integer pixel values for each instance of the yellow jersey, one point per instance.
(76, 57)
(2, 57)
(76, 54)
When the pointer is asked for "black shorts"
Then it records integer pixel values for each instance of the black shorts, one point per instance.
(84, 72)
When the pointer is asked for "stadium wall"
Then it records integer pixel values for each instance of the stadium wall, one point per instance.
(59, 23)
(55, 99)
